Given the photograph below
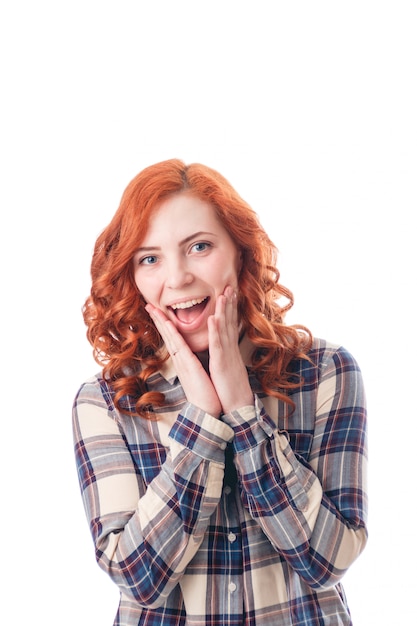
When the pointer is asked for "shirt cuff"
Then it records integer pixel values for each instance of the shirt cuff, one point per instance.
(200, 432)
(251, 425)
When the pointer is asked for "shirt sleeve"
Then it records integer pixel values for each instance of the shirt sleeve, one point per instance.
(314, 513)
(145, 536)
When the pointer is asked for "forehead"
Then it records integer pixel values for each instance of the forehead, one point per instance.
(182, 214)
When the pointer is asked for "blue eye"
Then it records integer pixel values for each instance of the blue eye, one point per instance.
(148, 260)
(200, 246)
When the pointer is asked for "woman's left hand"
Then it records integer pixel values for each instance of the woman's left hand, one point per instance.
(227, 369)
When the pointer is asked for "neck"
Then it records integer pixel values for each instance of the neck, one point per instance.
(203, 357)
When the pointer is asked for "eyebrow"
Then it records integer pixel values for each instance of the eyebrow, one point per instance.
(198, 234)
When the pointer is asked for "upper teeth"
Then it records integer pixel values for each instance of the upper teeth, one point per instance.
(188, 304)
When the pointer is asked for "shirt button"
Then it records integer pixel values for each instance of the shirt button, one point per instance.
(232, 587)
(227, 490)
(231, 537)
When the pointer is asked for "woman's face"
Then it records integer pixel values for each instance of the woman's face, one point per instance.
(184, 263)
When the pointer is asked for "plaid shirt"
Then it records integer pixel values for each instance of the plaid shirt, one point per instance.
(189, 543)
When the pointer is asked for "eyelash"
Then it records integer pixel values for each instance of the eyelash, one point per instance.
(145, 258)
(205, 244)
(201, 243)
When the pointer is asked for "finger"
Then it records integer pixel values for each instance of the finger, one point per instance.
(231, 306)
(171, 337)
(226, 313)
(213, 335)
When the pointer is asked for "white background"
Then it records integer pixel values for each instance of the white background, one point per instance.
(309, 109)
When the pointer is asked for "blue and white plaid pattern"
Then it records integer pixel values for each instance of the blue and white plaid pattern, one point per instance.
(186, 548)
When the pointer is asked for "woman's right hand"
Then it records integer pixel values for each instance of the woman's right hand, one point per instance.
(197, 385)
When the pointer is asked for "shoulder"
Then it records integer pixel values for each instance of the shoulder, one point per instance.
(328, 354)
(93, 412)
(325, 359)
(95, 391)
(339, 377)
(96, 396)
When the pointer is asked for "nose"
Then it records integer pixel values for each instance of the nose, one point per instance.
(178, 274)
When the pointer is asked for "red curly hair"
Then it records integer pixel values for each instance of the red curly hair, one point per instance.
(124, 339)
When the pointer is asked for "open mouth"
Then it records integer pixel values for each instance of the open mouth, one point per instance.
(187, 312)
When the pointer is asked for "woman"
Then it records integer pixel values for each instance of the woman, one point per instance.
(221, 453)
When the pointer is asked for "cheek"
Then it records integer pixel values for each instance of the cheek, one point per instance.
(231, 272)
(221, 276)
(145, 289)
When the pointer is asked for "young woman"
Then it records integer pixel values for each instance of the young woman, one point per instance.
(221, 453)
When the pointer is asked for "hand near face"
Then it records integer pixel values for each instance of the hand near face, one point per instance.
(227, 388)
(227, 370)
(196, 383)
